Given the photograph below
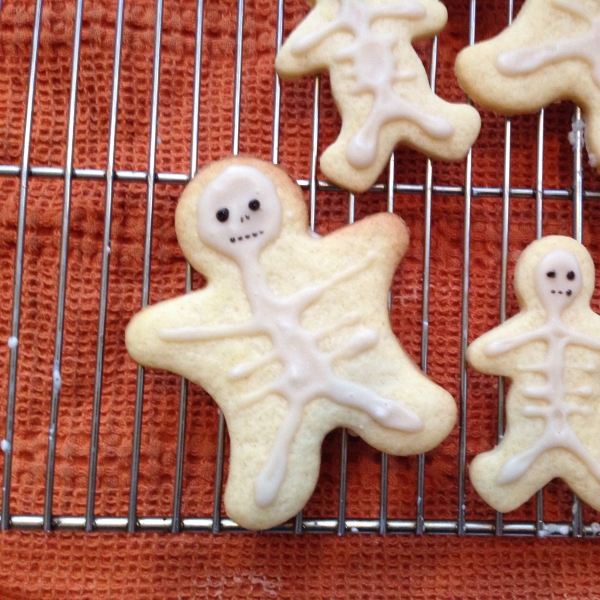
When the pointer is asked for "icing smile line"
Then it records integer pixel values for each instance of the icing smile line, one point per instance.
(247, 236)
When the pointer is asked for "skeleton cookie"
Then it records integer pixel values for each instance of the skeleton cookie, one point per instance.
(551, 351)
(378, 83)
(550, 52)
(290, 336)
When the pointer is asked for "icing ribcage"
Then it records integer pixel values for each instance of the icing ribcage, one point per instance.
(307, 371)
(558, 432)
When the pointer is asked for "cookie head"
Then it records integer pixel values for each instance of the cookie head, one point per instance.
(239, 212)
(558, 280)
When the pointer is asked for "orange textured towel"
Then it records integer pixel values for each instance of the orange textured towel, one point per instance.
(61, 565)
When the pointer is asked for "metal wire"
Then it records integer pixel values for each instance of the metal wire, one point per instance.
(320, 185)
(577, 521)
(504, 266)
(18, 277)
(215, 523)
(150, 181)
(108, 205)
(383, 484)
(62, 275)
(341, 529)
(539, 197)
(464, 337)
(178, 483)
(425, 301)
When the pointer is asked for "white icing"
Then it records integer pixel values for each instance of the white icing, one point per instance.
(577, 127)
(244, 231)
(13, 342)
(5, 446)
(585, 47)
(375, 71)
(307, 371)
(552, 529)
(56, 378)
(558, 282)
(593, 159)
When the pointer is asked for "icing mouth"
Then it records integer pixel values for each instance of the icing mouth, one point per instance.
(247, 236)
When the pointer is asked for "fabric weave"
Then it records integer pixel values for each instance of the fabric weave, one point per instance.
(60, 565)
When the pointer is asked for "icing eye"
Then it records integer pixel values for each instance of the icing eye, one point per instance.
(254, 204)
(551, 274)
(570, 275)
(222, 215)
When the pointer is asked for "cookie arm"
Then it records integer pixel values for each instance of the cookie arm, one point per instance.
(489, 353)
(141, 337)
(582, 339)
(144, 337)
(307, 296)
(292, 61)
(498, 347)
(199, 334)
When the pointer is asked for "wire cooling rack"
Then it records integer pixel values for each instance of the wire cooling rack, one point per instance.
(106, 173)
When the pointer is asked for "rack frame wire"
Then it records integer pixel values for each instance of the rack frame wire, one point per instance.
(215, 523)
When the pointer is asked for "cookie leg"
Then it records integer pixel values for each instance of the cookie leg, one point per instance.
(387, 413)
(269, 480)
(362, 149)
(576, 446)
(515, 467)
(484, 473)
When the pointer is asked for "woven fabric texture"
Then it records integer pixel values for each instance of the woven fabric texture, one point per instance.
(61, 565)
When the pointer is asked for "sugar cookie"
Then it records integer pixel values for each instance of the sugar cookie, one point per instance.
(379, 84)
(551, 351)
(550, 52)
(290, 336)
